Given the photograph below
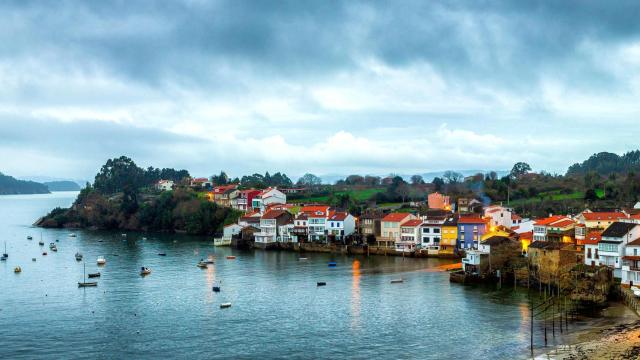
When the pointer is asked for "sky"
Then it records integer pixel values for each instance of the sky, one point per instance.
(327, 87)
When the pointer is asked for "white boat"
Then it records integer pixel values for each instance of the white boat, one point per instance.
(78, 256)
(201, 264)
(225, 305)
(54, 248)
(101, 260)
(145, 271)
(72, 235)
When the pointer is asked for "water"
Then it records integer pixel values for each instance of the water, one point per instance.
(278, 311)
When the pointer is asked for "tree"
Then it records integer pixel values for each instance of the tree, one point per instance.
(438, 183)
(117, 173)
(309, 180)
(519, 169)
(417, 180)
(452, 177)
(221, 179)
(354, 180)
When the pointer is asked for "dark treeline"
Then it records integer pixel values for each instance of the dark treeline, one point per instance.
(10, 185)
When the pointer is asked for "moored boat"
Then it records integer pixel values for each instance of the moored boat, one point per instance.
(17, 269)
(225, 305)
(94, 275)
(145, 271)
(332, 264)
(216, 287)
(101, 260)
(41, 243)
(5, 254)
(72, 235)
(201, 264)
(321, 283)
(162, 254)
(44, 253)
(78, 256)
(231, 257)
(397, 281)
(29, 237)
(86, 283)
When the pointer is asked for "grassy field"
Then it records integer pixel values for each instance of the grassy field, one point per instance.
(553, 196)
(359, 195)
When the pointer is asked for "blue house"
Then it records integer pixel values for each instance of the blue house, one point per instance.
(470, 231)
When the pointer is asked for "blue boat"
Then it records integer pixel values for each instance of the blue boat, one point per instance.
(333, 264)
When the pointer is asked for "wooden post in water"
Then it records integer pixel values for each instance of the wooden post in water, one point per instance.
(531, 321)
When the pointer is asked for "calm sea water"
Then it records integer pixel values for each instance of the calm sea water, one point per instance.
(277, 309)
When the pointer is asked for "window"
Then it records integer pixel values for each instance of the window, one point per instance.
(426, 230)
(436, 231)
(635, 252)
(589, 253)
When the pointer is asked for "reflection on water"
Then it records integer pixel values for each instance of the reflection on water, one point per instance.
(355, 295)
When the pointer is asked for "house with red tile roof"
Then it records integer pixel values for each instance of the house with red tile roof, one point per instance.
(541, 226)
(600, 220)
(390, 225)
(244, 199)
(409, 236)
(201, 183)
(631, 263)
(590, 244)
(267, 197)
(270, 227)
(471, 228)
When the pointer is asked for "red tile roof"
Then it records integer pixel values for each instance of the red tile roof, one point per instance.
(273, 214)
(592, 238)
(471, 220)
(515, 217)
(635, 242)
(339, 216)
(549, 220)
(606, 216)
(395, 217)
(562, 223)
(413, 223)
(526, 235)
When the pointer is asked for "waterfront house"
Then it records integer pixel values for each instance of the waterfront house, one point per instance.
(317, 216)
(492, 252)
(614, 240)
(470, 231)
(250, 219)
(438, 201)
(244, 199)
(339, 225)
(600, 220)
(590, 244)
(409, 236)
(267, 197)
(371, 225)
(391, 228)
(431, 232)
(301, 227)
(229, 231)
(549, 259)
(631, 263)
(269, 227)
(286, 232)
(164, 185)
(449, 238)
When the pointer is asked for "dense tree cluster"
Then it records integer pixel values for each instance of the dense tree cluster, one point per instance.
(10, 185)
(605, 163)
(263, 181)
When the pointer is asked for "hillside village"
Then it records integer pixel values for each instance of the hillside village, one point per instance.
(465, 228)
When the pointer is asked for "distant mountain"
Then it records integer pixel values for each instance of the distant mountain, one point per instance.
(11, 186)
(62, 186)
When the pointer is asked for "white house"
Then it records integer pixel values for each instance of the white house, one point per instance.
(431, 234)
(409, 236)
(340, 224)
(267, 197)
(591, 242)
(286, 232)
(499, 216)
(270, 224)
(614, 240)
(631, 263)
(164, 185)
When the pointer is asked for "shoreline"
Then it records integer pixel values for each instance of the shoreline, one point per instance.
(614, 334)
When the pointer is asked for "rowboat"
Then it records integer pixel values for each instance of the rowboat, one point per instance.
(201, 264)
(17, 269)
(86, 283)
(321, 283)
(78, 256)
(94, 275)
(397, 281)
(231, 257)
(225, 305)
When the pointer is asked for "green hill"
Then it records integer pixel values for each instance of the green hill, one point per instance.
(12, 186)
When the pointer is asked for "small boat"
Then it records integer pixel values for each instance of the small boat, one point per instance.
(2, 258)
(225, 305)
(123, 235)
(29, 237)
(78, 256)
(101, 260)
(17, 269)
(144, 238)
(41, 243)
(302, 259)
(5, 254)
(210, 259)
(52, 245)
(86, 283)
(201, 264)
(231, 257)
(145, 271)
(44, 253)
(33, 259)
(94, 275)
(321, 283)
(397, 281)
(162, 254)
(332, 264)
(72, 235)
(57, 240)
(55, 248)
(216, 287)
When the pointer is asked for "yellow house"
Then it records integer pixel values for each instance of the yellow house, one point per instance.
(600, 220)
(449, 236)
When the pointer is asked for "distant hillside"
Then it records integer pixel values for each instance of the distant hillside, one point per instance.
(11, 186)
(605, 163)
(62, 186)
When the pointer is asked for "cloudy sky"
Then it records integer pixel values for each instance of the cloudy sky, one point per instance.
(327, 87)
